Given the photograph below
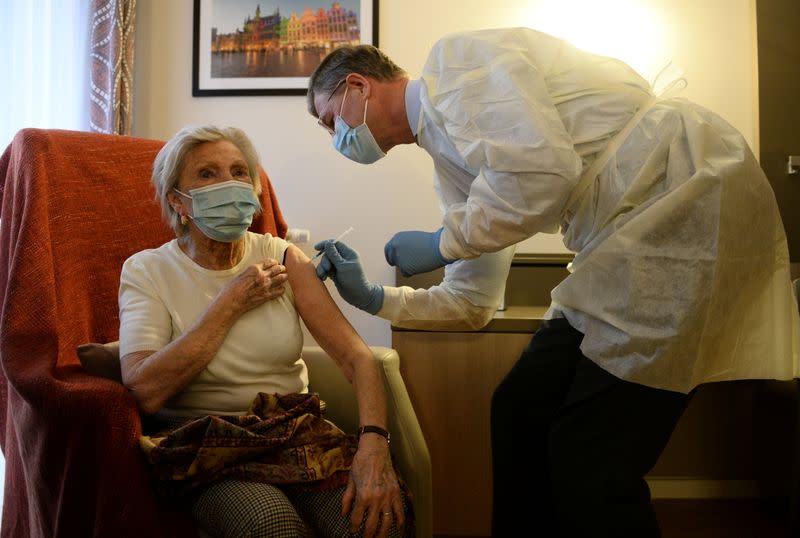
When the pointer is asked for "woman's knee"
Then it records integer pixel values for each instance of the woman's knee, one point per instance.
(238, 509)
(278, 520)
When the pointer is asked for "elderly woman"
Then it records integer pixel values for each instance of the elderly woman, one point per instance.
(210, 320)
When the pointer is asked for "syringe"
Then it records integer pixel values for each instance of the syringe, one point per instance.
(341, 236)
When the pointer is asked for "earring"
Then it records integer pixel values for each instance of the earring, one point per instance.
(184, 220)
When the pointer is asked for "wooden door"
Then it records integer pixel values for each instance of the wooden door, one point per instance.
(779, 106)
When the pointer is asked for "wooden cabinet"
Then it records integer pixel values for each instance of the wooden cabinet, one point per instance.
(450, 378)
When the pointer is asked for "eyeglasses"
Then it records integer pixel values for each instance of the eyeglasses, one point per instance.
(322, 124)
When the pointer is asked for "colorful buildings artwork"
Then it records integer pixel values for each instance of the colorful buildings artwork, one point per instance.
(320, 29)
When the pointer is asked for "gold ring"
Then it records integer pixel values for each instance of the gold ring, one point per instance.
(387, 514)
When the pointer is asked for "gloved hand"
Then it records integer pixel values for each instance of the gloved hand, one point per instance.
(342, 264)
(415, 252)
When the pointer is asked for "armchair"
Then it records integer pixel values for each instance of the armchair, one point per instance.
(73, 207)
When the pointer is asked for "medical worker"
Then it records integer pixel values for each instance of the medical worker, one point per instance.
(680, 275)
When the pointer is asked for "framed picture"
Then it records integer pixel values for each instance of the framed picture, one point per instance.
(271, 47)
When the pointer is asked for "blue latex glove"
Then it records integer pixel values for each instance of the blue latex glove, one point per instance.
(415, 252)
(342, 264)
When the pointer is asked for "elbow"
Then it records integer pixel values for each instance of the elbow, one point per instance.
(479, 317)
(148, 402)
(141, 383)
(148, 405)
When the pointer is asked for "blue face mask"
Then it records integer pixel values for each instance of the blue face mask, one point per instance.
(356, 143)
(223, 211)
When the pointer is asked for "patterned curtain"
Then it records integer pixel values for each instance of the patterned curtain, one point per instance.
(111, 56)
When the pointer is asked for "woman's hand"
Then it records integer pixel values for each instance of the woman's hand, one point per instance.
(259, 283)
(372, 491)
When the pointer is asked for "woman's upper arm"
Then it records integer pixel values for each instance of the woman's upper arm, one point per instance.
(312, 300)
(316, 306)
(145, 321)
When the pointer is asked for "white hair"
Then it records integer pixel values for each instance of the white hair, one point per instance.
(169, 163)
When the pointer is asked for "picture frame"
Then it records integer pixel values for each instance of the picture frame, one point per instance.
(276, 45)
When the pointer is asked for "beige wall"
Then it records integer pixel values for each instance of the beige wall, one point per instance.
(713, 41)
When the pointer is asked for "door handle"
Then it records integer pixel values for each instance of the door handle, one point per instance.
(793, 165)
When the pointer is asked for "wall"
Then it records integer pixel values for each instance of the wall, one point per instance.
(713, 41)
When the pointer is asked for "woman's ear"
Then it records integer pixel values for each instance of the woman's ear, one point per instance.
(177, 205)
(175, 202)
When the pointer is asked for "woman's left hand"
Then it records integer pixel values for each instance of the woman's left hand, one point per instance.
(373, 491)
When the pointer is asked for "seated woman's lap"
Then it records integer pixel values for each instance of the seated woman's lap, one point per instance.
(238, 509)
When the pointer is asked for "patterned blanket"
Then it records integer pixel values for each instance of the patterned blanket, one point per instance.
(283, 440)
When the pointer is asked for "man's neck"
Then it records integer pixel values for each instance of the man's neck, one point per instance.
(393, 103)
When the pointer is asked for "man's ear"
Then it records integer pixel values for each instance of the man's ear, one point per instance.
(359, 83)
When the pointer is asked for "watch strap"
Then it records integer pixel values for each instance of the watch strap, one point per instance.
(374, 429)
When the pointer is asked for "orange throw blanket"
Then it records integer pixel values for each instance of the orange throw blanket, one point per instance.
(73, 207)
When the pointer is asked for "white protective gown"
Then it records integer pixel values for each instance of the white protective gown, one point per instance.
(681, 274)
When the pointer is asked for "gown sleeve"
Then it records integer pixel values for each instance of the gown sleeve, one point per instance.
(488, 91)
(467, 298)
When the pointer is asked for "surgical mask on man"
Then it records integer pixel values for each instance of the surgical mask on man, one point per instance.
(223, 211)
(356, 143)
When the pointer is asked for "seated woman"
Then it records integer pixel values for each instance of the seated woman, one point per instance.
(210, 320)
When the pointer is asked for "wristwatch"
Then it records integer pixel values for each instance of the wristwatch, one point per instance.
(374, 429)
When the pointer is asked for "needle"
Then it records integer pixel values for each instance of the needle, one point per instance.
(341, 235)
